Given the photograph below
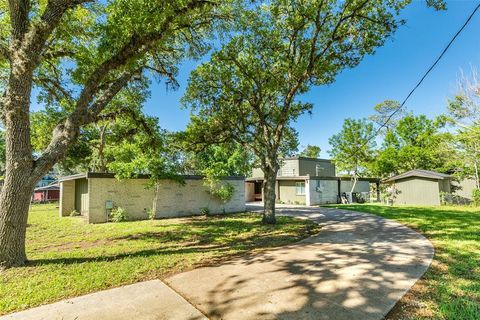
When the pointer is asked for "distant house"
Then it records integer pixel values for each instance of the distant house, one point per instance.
(47, 179)
(47, 193)
(309, 181)
(419, 187)
(94, 195)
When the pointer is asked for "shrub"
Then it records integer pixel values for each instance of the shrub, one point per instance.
(223, 191)
(205, 211)
(476, 197)
(118, 214)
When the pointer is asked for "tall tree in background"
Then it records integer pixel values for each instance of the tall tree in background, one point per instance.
(387, 114)
(352, 149)
(414, 143)
(464, 112)
(80, 53)
(310, 151)
(248, 91)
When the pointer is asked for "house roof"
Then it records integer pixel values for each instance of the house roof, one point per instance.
(283, 178)
(53, 186)
(419, 173)
(89, 175)
(305, 158)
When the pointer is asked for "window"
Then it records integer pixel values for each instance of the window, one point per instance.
(300, 188)
(318, 170)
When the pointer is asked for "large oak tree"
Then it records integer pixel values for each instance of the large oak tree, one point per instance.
(249, 91)
(81, 54)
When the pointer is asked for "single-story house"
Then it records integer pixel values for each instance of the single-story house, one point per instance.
(46, 193)
(419, 187)
(94, 195)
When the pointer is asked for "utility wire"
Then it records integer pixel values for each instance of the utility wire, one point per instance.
(423, 77)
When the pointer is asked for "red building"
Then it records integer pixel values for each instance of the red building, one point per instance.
(47, 193)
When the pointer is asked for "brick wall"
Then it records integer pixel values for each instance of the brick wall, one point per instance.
(172, 200)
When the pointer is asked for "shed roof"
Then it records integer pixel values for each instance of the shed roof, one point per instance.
(420, 173)
(53, 186)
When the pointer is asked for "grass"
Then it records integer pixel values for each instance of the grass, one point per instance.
(450, 289)
(69, 258)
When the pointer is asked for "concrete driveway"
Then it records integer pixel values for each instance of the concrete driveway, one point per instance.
(357, 267)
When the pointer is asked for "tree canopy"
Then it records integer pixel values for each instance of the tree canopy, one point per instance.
(249, 90)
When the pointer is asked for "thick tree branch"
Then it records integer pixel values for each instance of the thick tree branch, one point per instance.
(67, 132)
(137, 45)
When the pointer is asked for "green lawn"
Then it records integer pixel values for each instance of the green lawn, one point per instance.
(450, 289)
(70, 258)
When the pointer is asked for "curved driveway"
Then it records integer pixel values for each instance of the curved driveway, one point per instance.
(357, 267)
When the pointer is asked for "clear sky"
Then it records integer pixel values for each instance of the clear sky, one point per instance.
(389, 74)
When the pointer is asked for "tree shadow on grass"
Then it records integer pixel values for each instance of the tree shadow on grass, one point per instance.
(356, 268)
(215, 236)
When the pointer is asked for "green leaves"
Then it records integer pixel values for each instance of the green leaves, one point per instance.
(353, 147)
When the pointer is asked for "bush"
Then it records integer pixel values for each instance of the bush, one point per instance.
(476, 197)
(118, 214)
(205, 211)
(151, 214)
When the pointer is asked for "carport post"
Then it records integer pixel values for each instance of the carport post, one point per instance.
(378, 191)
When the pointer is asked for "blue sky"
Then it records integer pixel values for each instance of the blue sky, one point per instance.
(389, 74)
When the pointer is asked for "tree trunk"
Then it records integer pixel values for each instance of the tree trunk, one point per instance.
(19, 181)
(14, 205)
(270, 176)
(477, 178)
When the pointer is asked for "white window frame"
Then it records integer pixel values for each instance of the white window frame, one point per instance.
(299, 185)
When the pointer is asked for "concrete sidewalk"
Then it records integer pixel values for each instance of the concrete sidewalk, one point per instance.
(149, 300)
(358, 267)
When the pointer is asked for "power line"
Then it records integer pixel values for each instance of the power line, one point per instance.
(423, 77)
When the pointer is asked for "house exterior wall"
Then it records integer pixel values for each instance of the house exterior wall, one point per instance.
(43, 195)
(309, 167)
(257, 173)
(249, 191)
(361, 186)
(323, 191)
(172, 199)
(130, 194)
(288, 193)
(193, 196)
(67, 198)
(466, 188)
(289, 168)
(417, 191)
(301, 167)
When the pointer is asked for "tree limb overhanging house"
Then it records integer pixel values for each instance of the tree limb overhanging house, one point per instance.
(309, 181)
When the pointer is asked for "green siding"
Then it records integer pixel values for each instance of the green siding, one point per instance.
(418, 191)
(288, 194)
(81, 196)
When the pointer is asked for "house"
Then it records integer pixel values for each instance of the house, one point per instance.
(419, 187)
(48, 193)
(47, 179)
(94, 195)
(309, 181)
